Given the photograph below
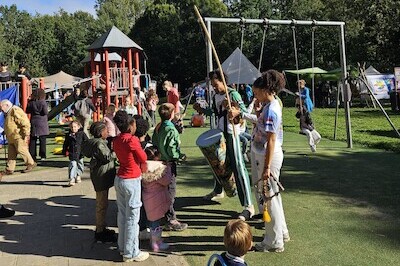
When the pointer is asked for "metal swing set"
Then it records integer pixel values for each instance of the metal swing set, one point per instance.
(293, 23)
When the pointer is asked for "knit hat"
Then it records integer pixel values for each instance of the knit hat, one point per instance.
(96, 128)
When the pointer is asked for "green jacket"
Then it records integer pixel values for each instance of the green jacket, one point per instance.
(102, 163)
(166, 138)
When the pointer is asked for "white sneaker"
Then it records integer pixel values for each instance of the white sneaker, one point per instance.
(313, 148)
(286, 237)
(78, 179)
(263, 248)
(71, 183)
(141, 257)
(214, 196)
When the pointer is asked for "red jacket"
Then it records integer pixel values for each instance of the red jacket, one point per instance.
(130, 155)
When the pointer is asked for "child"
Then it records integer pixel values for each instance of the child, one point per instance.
(307, 127)
(129, 107)
(237, 241)
(141, 128)
(152, 101)
(166, 139)
(245, 138)
(155, 196)
(73, 144)
(128, 187)
(102, 174)
(109, 122)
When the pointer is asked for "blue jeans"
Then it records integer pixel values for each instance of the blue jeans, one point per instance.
(244, 139)
(128, 200)
(75, 168)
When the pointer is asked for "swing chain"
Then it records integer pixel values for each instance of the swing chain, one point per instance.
(293, 24)
(242, 23)
(266, 24)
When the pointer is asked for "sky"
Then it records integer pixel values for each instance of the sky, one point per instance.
(51, 6)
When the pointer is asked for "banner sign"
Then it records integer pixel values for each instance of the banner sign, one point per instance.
(381, 85)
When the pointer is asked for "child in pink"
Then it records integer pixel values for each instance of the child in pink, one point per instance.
(155, 196)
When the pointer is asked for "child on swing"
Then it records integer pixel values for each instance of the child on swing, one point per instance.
(307, 126)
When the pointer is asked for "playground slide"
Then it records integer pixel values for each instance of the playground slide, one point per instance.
(60, 107)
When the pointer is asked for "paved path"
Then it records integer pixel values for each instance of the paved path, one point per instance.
(54, 224)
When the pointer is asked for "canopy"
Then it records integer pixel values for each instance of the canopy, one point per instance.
(239, 69)
(60, 79)
(315, 70)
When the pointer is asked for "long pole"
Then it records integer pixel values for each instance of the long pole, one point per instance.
(200, 19)
(345, 87)
(364, 80)
(209, 69)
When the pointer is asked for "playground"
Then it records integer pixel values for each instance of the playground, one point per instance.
(341, 201)
(342, 206)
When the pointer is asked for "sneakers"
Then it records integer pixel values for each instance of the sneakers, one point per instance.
(7, 172)
(145, 234)
(71, 182)
(5, 212)
(313, 148)
(29, 168)
(286, 237)
(262, 248)
(106, 236)
(78, 179)
(141, 257)
(247, 213)
(214, 196)
(175, 225)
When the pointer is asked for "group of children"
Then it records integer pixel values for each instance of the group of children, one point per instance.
(146, 175)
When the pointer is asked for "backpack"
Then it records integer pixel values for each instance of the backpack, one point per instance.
(82, 108)
(216, 258)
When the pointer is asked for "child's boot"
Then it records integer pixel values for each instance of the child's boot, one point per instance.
(156, 241)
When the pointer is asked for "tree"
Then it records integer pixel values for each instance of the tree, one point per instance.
(170, 35)
(16, 27)
(120, 13)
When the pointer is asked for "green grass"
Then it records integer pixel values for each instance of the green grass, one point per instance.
(369, 126)
(342, 206)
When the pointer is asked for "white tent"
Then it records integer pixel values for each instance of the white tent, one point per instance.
(61, 78)
(239, 69)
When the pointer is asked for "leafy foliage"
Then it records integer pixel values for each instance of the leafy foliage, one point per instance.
(173, 41)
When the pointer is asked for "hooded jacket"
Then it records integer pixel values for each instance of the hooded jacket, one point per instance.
(102, 163)
(155, 194)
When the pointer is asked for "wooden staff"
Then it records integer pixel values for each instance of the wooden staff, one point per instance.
(200, 19)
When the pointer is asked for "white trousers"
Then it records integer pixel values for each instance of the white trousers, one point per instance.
(313, 136)
(276, 228)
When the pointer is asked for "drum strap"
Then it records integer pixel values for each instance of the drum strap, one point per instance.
(223, 113)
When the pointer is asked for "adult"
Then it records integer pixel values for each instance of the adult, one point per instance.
(38, 109)
(305, 95)
(5, 75)
(83, 109)
(268, 157)
(17, 129)
(172, 95)
(220, 109)
(22, 73)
